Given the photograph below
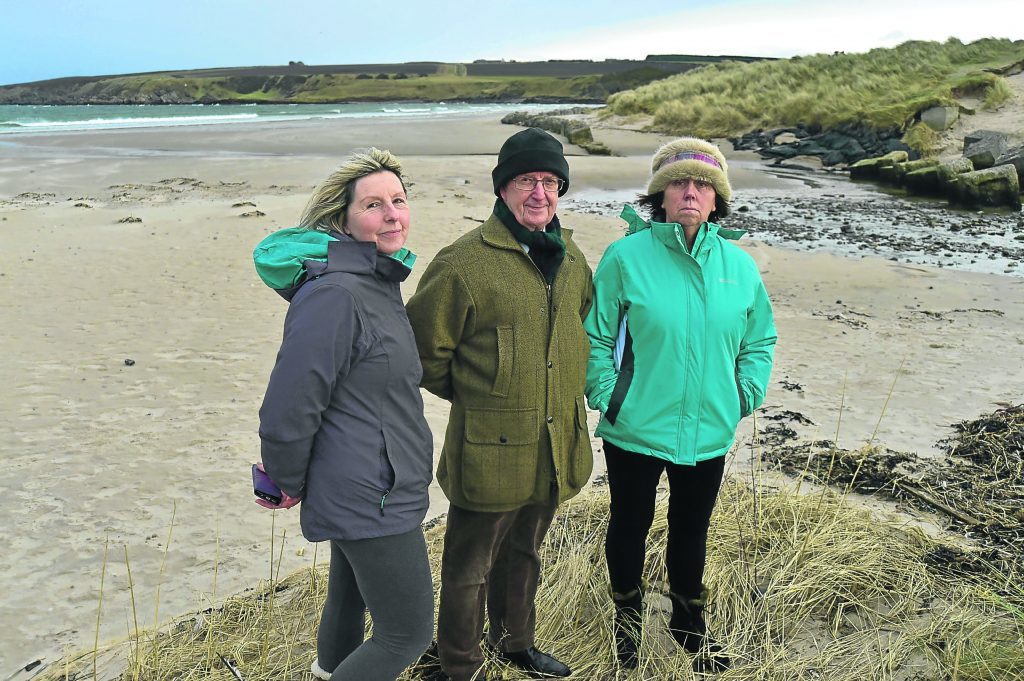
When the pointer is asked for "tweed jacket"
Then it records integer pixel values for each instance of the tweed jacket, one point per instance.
(510, 354)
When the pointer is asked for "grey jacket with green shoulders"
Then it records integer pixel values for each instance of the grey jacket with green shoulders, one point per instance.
(511, 357)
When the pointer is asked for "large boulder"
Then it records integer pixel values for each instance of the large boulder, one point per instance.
(574, 130)
(940, 117)
(979, 135)
(868, 168)
(998, 186)
(1014, 157)
(901, 170)
(922, 181)
(984, 147)
(939, 179)
(950, 170)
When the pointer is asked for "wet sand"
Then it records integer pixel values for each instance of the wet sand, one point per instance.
(102, 451)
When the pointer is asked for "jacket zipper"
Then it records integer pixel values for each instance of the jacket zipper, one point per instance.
(383, 499)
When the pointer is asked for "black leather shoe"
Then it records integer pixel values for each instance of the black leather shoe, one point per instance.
(535, 663)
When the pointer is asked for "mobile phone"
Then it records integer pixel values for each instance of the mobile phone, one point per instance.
(264, 487)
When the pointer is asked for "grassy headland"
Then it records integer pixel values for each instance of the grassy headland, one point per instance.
(582, 81)
(883, 88)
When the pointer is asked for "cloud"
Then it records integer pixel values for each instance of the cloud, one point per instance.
(785, 29)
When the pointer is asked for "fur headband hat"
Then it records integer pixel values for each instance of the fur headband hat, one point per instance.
(690, 157)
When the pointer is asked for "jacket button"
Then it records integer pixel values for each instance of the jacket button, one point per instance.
(550, 419)
(550, 364)
(502, 439)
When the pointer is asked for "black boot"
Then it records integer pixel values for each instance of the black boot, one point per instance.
(691, 632)
(628, 626)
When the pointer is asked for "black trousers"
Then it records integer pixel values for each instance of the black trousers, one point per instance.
(633, 482)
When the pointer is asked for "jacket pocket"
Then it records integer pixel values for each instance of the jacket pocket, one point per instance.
(499, 457)
(742, 400)
(387, 471)
(624, 379)
(506, 358)
(581, 462)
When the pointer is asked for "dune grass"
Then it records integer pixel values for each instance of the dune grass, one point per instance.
(883, 87)
(804, 586)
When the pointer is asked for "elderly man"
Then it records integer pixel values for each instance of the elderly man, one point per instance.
(498, 323)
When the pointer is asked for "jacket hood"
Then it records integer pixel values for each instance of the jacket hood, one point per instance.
(288, 258)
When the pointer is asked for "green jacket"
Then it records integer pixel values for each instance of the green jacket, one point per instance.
(510, 356)
(681, 344)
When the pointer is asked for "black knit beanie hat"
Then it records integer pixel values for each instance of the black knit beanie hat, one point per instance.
(529, 151)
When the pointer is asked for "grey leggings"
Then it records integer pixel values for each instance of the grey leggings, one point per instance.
(390, 577)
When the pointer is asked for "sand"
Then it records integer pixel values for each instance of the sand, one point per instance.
(136, 354)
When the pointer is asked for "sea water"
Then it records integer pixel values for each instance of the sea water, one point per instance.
(25, 118)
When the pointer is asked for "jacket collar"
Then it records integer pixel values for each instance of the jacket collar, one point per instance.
(361, 257)
(671, 233)
(496, 234)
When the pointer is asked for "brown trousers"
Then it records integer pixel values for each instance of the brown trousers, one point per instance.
(488, 558)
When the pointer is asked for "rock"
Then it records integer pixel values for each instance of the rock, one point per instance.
(922, 181)
(853, 141)
(940, 117)
(947, 172)
(833, 158)
(979, 135)
(998, 186)
(868, 168)
(596, 148)
(864, 170)
(887, 174)
(984, 147)
(575, 131)
(901, 170)
(579, 135)
(1014, 157)
(937, 180)
(783, 151)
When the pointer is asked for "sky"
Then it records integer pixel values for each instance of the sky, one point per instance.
(42, 39)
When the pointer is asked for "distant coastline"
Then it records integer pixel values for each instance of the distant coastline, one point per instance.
(555, 81)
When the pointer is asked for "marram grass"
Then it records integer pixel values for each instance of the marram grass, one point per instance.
(803, 587)
(883, 88)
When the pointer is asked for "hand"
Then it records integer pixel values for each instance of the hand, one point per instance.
(286, 501)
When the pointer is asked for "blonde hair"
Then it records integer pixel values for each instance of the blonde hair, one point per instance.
(326, 209)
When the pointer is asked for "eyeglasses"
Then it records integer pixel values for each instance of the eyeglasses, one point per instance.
(526, 184)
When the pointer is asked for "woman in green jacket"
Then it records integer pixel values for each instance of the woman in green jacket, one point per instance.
(681, 343)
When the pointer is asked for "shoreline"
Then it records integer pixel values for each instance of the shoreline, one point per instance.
(101, 451)
(24, 120)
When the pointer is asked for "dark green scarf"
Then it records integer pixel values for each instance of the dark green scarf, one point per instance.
(547, 250)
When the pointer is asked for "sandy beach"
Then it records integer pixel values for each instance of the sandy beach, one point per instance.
(136, 353)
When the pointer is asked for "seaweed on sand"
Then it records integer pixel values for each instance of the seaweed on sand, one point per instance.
(979, 485)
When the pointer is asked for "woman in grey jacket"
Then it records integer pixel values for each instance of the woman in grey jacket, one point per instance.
(342, 426)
